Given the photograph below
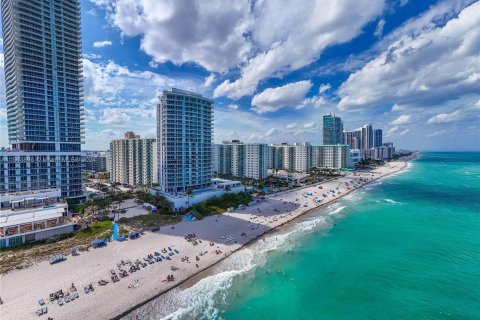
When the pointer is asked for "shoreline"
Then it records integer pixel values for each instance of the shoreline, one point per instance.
(116, 301)
(207, 270)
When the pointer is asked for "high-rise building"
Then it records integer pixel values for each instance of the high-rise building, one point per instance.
(285, 156)
(332, 129)
(348, 138)
(184, 141)
(44, 95)
(302, 156)
(335, 156)
(378, 137)
(134, 160)
(367, 137)
(94, 161)
(240, 159)
(357, 139)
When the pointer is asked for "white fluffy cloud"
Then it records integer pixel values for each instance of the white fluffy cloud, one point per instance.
(212, 35)
(310, 125)
(447, 117)
(282, 31)
(209, 80)
(291, 125)
(101, 44)
(403, 119)
(264, 38)
(273, 99)
(114, 116)
(109, 84)
(324, 87)
(379, 29)
(429, 67)
(233, 106)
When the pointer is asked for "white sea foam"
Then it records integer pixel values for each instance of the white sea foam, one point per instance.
(205, 299)
(391, 201)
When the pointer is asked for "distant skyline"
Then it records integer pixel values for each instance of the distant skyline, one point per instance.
(411, 68)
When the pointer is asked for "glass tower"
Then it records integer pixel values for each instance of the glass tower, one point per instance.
(332, 130)
(44, 94)
(378, 138)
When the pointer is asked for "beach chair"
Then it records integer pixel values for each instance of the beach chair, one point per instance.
(41, 302)
(60, 302)
(40, 312)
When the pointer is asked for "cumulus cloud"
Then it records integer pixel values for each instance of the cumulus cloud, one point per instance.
(282, 30)
(437, 133)
(101, 44)
(114, 116)
(447, 117)
(310, 125)
(324, 87)
(274, 99)
(209, 80)
(403, 119)
(263, 38)
(428, 66)
(213, 35)
(110, 84)
(379, 29)
(291, 125)
(232, 106)
(392, 130)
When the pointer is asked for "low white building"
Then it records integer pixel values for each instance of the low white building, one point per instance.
(32, 216)
(218, 188)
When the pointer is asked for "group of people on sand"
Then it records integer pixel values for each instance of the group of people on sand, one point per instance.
(170, 277)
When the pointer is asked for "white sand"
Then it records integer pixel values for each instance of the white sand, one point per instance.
(21, 290)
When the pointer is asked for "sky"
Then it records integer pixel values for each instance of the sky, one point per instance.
(409, 67)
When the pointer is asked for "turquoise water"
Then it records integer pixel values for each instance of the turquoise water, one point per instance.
(406, 248)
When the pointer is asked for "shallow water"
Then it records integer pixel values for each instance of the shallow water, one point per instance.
(408, 248)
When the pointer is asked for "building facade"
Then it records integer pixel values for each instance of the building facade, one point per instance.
(134, 160)
(335, 156)
(244, 160)
(184, 141)
(94, 161)
(44, 95)
(377, 138)
(32, 216)
(332, 130)
(367, 137)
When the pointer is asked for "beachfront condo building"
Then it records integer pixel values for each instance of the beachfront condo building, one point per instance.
(335, 156)
(367, 137)
(377, 138)
(184, 141)
(330, 156)
(332, 129)
(44, 96)
(95, 161)
(134, 160)
(238, 159)
(296, 157)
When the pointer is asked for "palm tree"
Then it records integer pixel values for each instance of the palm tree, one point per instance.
(189, 193)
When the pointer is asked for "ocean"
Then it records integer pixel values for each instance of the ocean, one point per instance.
(406, 247)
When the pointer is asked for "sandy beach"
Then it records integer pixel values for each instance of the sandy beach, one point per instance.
(216, 237)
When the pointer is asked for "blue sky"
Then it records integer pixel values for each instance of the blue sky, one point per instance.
(411, 68)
